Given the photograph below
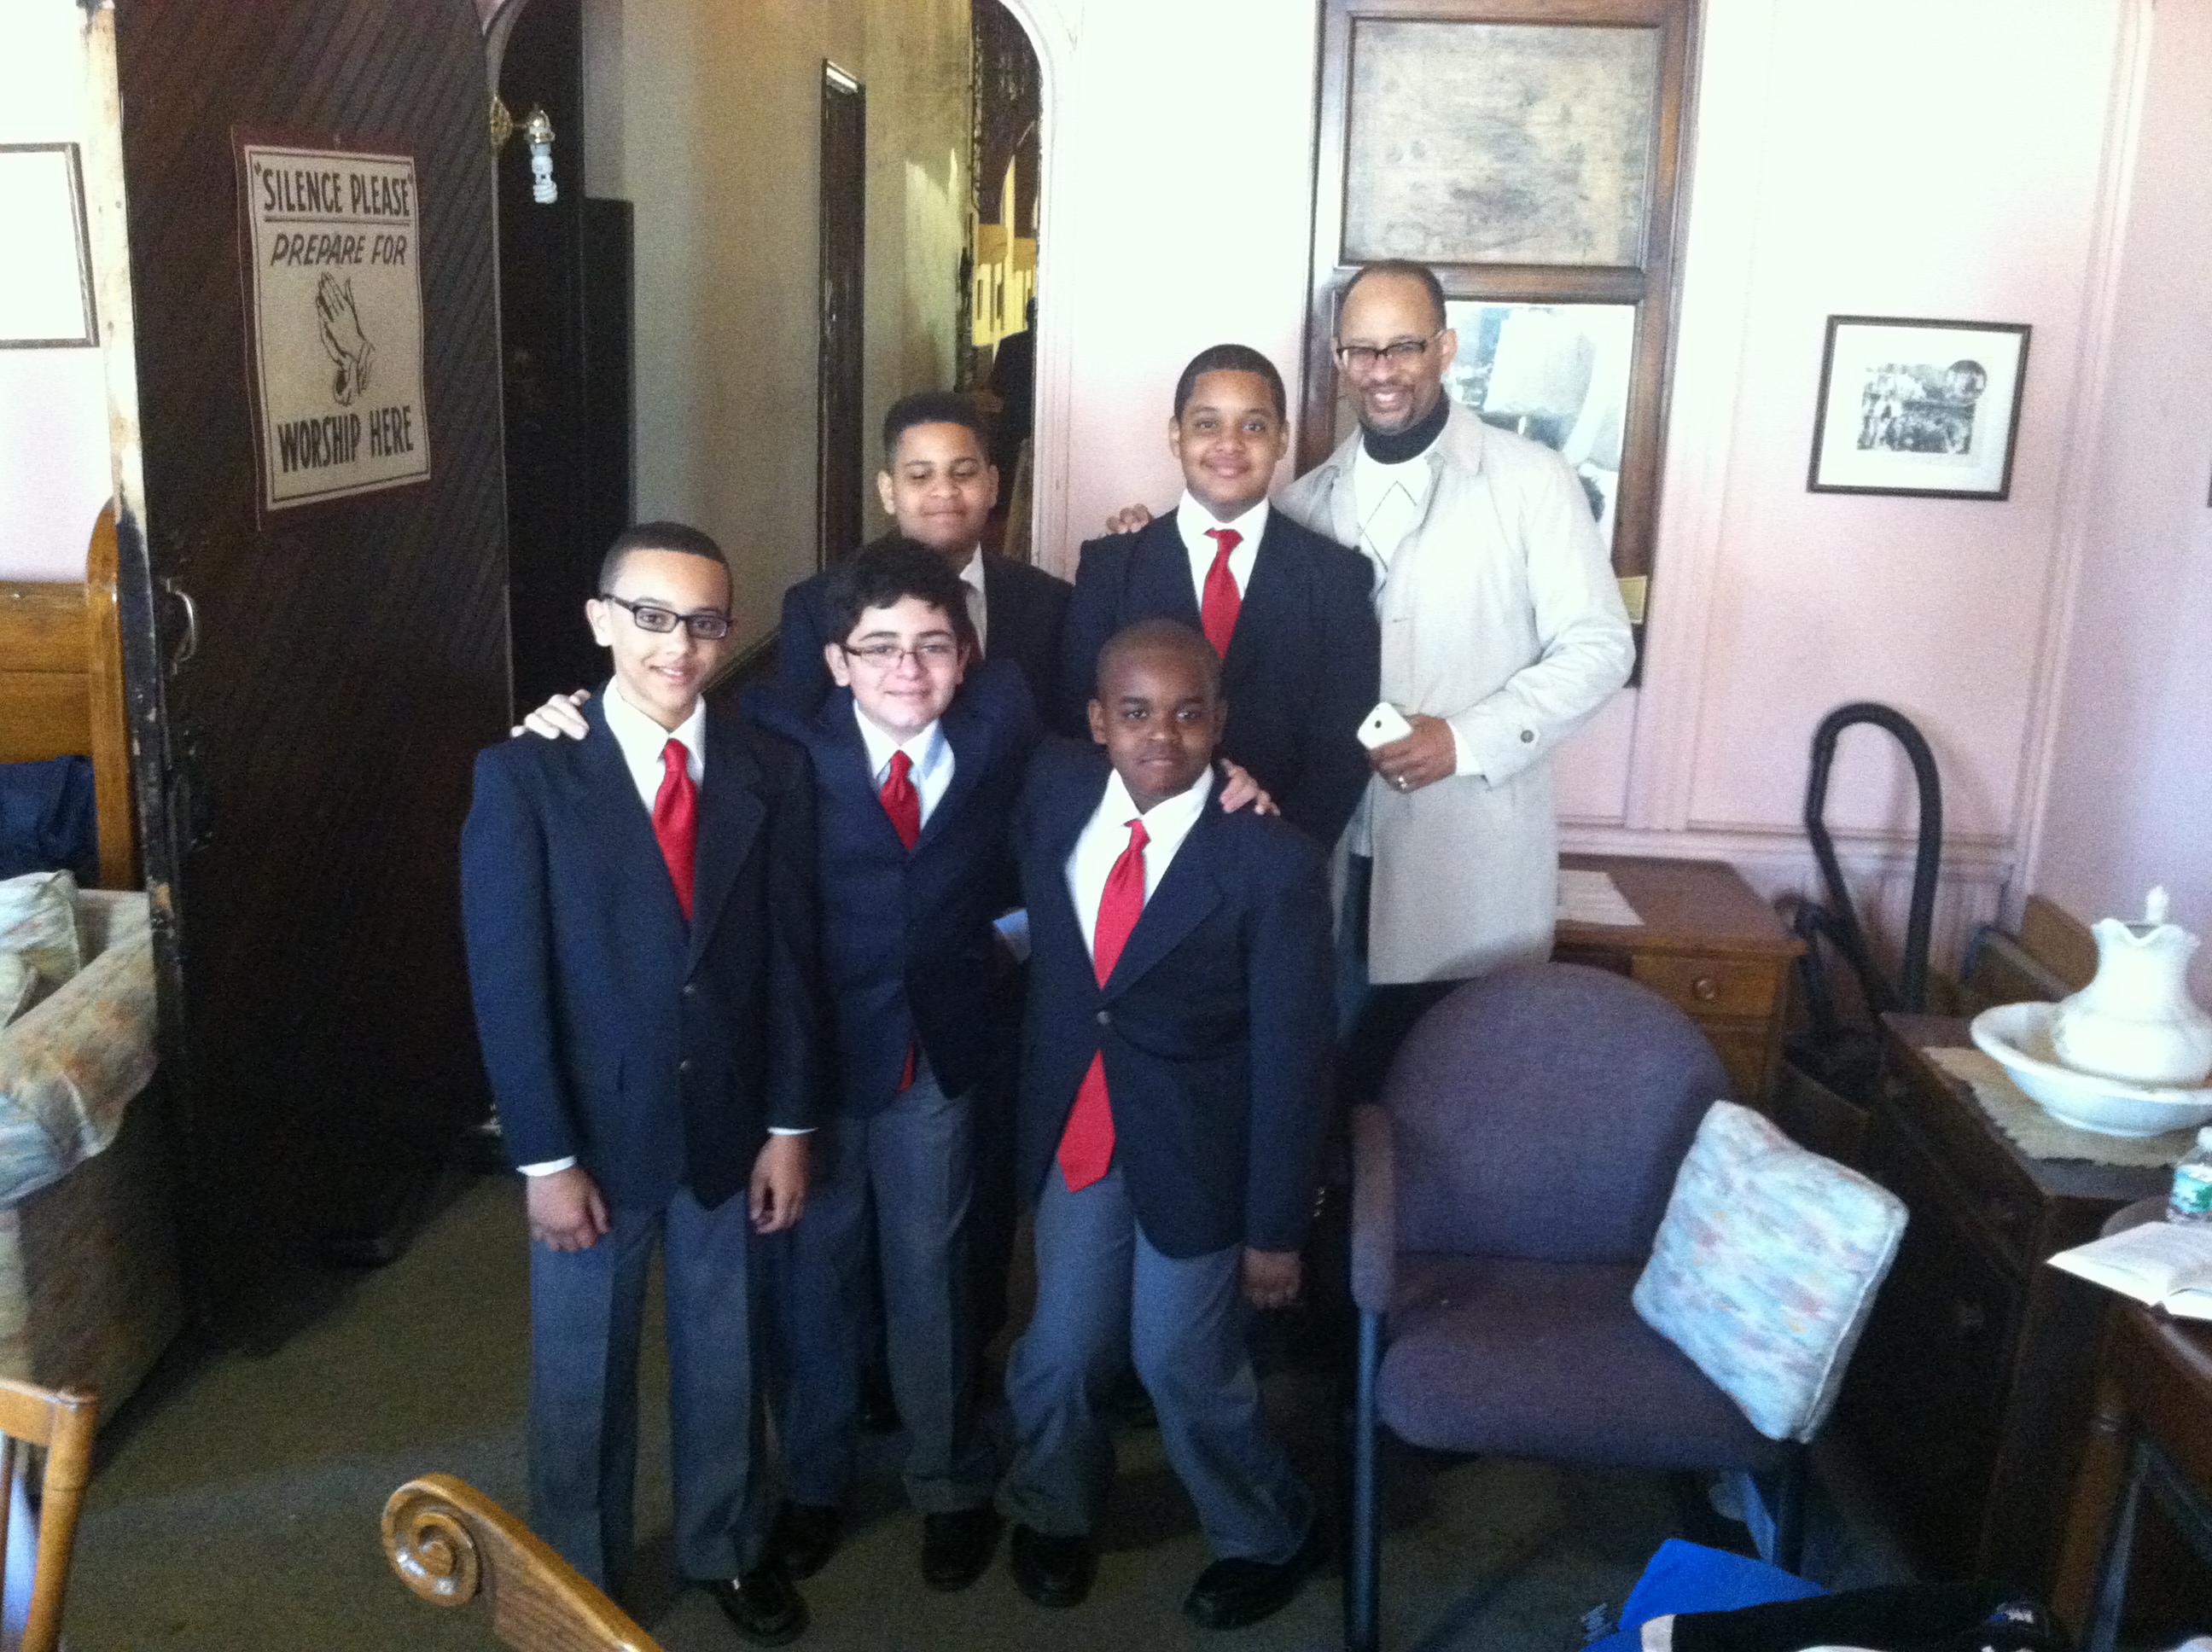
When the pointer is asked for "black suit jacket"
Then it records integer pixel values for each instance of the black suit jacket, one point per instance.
(1025, 607)
(907, 944)
(1215, 1025)
(658, 1053)
(1303, 668)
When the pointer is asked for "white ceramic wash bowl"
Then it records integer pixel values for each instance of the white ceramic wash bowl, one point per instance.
(2017, 1036)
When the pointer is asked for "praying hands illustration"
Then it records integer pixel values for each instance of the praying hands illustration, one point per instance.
(348, 346)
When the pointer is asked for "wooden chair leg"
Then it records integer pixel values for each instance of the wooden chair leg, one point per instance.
(1362, 1575)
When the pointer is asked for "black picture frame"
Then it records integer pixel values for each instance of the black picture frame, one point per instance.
(1908, 407)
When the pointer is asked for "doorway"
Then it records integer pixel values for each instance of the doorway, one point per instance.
(1005, 166)
(844, 207)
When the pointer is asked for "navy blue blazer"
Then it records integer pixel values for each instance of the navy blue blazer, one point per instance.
(658, 1053)
(1303, 667)
(1026, 607)
(1217, 1024)
(906, 944)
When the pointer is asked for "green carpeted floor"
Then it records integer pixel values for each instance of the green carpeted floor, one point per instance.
(236, 1502)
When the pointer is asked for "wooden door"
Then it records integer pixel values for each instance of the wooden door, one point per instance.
(305, 743)
(843, 213)
(564, 319)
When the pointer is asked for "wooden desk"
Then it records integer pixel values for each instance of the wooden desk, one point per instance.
(1708, 944)
(2151, 1432)
(1971, 1390)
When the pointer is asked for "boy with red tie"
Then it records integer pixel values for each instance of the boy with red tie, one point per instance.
(1287, 611)
(1175, 1096)
(641, 944)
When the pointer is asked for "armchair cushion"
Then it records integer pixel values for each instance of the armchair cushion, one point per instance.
(1765, 1267)
(1548, 1360)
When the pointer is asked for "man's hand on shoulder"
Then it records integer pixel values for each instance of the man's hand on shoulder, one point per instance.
(1271, 1277)
(1239, 790)
(1128, 519)
(565, 1209)
(558, 718)
(777, 1196)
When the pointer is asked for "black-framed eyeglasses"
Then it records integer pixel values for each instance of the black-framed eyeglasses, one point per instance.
(1356, 358)
(709, 628)
(885, 656)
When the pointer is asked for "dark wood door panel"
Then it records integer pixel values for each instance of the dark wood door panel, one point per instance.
(349, 660)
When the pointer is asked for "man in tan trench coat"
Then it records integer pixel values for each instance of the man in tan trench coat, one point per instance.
(1503, 632)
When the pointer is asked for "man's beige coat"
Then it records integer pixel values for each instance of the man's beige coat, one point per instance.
(1501, 615)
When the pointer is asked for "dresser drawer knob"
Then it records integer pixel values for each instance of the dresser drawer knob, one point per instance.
(1704, 989)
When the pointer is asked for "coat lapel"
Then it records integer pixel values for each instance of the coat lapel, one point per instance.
(1159, 576)
(619, 818)
(1185, 895)
(1269, 610)
(731, 815)
(969, 736)
(847, 769)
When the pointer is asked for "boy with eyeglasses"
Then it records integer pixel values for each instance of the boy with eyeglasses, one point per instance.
(641, 944)
(919, 751)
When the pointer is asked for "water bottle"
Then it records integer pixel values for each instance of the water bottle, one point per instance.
(2191, 1200)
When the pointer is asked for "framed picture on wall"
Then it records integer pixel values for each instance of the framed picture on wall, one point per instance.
(1918, 407)
(46, 303)
(1529, 153)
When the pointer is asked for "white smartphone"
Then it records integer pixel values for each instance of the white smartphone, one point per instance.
(1384, 725)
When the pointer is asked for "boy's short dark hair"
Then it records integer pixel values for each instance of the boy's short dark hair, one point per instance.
(1411, 271)
(1230, 358)
(934, 407)
(885, 574)
(1164, 636)
(684, 540)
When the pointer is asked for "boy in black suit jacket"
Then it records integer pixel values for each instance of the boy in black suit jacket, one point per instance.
(1288, 611)
(641, 941)
(939, 485)
(918, 754)
(1175, 1094)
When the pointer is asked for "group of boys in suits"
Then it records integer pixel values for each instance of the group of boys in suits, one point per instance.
(713, 955)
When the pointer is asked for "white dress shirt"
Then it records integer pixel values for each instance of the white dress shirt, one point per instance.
(929, 751)
(978, 599)
(1193, 520)
(1106, 836)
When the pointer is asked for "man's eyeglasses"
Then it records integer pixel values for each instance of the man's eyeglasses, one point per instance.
(885, 656)
(709, 628)
(1357, 358)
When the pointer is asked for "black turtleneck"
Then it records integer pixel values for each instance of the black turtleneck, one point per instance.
(1398, 446)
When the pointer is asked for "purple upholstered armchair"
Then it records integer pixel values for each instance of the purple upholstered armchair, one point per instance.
(1505, 1196)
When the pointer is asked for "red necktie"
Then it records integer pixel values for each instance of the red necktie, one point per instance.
(904, 805)
(676, 821)
(1086, 1146)
(1217, 611)
(902, 802)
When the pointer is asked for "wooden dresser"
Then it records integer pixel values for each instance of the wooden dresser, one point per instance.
(1708, 944)
(1970, 1393)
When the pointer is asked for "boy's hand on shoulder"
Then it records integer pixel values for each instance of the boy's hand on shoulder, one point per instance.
(778, 1195)
(566, 1211)
(1271, 1277)
(1239, 790)
(1127, 520)
(556, 718)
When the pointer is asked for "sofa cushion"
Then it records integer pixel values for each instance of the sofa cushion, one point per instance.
(1764, 1268)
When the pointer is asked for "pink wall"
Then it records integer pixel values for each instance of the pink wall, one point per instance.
(2130, 801)
(54, 472)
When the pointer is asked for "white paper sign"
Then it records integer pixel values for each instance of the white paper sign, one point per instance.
(337, 303)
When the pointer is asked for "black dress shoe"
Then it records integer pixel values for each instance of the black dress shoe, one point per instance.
(762, 1603)
(1231, 1593)
(1052, 1571)
(804, 1537)
(956, 1547)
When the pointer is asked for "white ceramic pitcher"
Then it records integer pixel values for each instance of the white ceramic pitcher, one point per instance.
(2136, 1021)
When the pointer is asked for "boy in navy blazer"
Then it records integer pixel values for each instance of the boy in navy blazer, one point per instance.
(1289, 612)
(918, 755)
(1174, 1096)
(641, 946)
